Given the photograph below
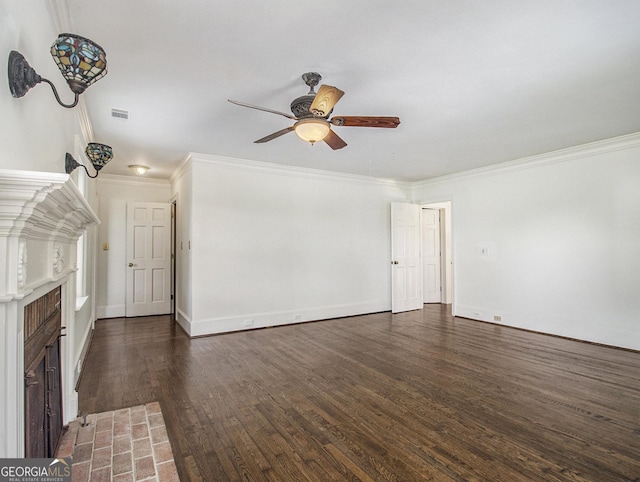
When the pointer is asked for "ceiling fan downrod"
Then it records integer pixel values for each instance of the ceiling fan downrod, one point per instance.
(312, 79)
(300, 106)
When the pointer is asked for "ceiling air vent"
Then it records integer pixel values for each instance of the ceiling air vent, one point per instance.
(120, 114)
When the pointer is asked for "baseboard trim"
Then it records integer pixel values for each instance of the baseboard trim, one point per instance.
(111, 311)
(83, 355)
(184, 321)
(509, 320)
(250, 321)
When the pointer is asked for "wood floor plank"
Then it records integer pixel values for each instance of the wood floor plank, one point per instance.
(413, 396)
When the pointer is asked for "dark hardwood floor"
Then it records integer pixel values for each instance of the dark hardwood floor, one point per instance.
(414, 396)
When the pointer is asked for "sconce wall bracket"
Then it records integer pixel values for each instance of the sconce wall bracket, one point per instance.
(22, 76)
(70, 164)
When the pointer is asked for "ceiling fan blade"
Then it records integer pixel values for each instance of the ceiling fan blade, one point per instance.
(334, 140)
(262, 108)
(324, 101)
(365, 121)
(271, 137)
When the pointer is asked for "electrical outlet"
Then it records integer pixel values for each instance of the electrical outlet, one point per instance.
(297, 317)
(476, 313)
(497, 318)
(248, 323)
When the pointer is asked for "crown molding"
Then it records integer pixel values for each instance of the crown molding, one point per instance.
(613, 144)
(290, 171)
(181, 169)
(120, 180)
(59, 15)
(86, 128)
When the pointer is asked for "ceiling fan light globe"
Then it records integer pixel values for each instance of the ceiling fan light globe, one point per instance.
(312, 130)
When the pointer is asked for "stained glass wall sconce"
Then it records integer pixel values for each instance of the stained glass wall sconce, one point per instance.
(81, 62)
(98, 154)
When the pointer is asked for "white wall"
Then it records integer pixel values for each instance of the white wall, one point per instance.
(35, 132)
(274, 245)
(562, 236)
(182, 184)
(35, 135)
(85, 314)
(113, 194)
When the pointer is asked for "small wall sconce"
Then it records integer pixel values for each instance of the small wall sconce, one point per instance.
(138, 170)
(81, 62)
(98, 154)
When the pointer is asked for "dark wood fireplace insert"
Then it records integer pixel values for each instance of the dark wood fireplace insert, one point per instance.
(42, 388)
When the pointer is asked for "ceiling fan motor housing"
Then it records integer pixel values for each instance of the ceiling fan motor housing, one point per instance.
(300, 106)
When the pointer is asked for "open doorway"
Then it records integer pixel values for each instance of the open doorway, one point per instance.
(437, 253)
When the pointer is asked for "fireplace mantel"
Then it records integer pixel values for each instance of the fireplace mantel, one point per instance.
(37, 207)
(42, 205)
(42, 215)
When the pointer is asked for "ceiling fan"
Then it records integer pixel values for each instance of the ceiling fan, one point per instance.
(311, 113)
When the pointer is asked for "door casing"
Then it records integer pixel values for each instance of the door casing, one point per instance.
(431, 255)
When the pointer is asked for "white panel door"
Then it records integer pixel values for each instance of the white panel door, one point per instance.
(431, 256)
(406, 279)
(148, 259)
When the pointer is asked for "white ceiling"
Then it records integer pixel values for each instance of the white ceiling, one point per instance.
(474, 82)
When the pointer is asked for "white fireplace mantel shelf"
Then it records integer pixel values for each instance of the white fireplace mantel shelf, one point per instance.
(39, 207)
(42, 205)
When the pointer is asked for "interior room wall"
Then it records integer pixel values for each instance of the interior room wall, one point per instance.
(113, 194)
(35, 132)
(550, 243)
(274, 245)
(35, 135)
(182, 185)
(85, 310)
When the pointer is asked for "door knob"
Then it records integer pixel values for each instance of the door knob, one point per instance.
(394, 262)
(130, 265)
